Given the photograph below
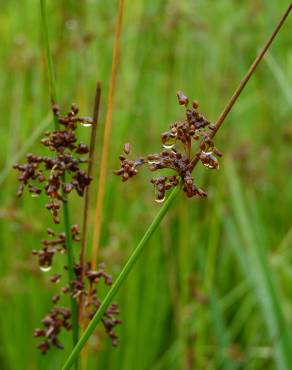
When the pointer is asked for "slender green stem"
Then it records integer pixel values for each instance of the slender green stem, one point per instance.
(52, 80)
(71, 275)
(89, 172)
(70, 259)
(120, 279)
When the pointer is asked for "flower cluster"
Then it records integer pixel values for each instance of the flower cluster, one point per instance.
(53, 246)
(50, 247)
(57, 176)
(62, 173)
(195, 127)
(57, 318)
(84, 289)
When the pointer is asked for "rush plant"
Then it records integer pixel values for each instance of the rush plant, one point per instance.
(65, 169)
(57, 176)
(194, 128)
(183, 164)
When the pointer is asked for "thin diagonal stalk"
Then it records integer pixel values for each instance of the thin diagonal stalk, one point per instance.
(70, 261)
(245, 79)
(250, 72)
(106, 138)
(120, 279)
(162, 212)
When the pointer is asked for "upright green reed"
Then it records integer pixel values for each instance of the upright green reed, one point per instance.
(53, 95)
(262, 275)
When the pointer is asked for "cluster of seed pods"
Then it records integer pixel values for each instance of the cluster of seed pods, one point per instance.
(57, 176)
(177, 154)
(57, 319)
(84, 289)
(60, 174)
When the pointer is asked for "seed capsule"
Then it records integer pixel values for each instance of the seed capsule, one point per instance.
(127, 148)
(182, 98)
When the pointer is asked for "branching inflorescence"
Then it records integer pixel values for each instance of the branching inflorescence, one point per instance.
(66, 161)
(195, 127)
(57, 176)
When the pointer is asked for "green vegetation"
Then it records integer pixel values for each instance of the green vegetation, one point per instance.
(212, 290)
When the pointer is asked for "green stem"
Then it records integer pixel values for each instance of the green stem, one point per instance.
(70, 259)
(120, 279)
(51, 74)
(71, 275)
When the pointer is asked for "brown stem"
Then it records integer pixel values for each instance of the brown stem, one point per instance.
(89, 172)
(96, 109)
(106, 139)
(244, 81)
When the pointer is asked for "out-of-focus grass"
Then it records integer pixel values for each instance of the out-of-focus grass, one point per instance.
(200, 276)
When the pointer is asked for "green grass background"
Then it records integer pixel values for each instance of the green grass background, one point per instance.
(213, 290)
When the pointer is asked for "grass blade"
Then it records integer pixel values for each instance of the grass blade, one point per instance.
(280, 78)
(51, 74)
(221, 332)
(261, 275)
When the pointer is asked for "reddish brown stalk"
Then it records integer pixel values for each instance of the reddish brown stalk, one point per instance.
(244, 81)
(86, 206)
(106, 139)
(89, 172)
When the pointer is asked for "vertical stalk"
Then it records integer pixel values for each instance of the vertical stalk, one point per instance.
(89, 171)
(71, 275)
(106, 138)
(53, 97)
(51, 73)
(83, 322)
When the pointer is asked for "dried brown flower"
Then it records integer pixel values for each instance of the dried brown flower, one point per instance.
(51, 172)
(57, 176)
(177, 154)
(57, 318)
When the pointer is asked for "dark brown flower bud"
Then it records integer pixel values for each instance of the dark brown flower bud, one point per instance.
(74, 108)
(55, 278)
(182, 98)
(39, 332)
(82, 148)
(65, 289)
(55, 298)
(127, 148)
(43, 347)
(195, 104)
(55, 109)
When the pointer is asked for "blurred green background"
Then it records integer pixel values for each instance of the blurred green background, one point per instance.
(213, 290)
